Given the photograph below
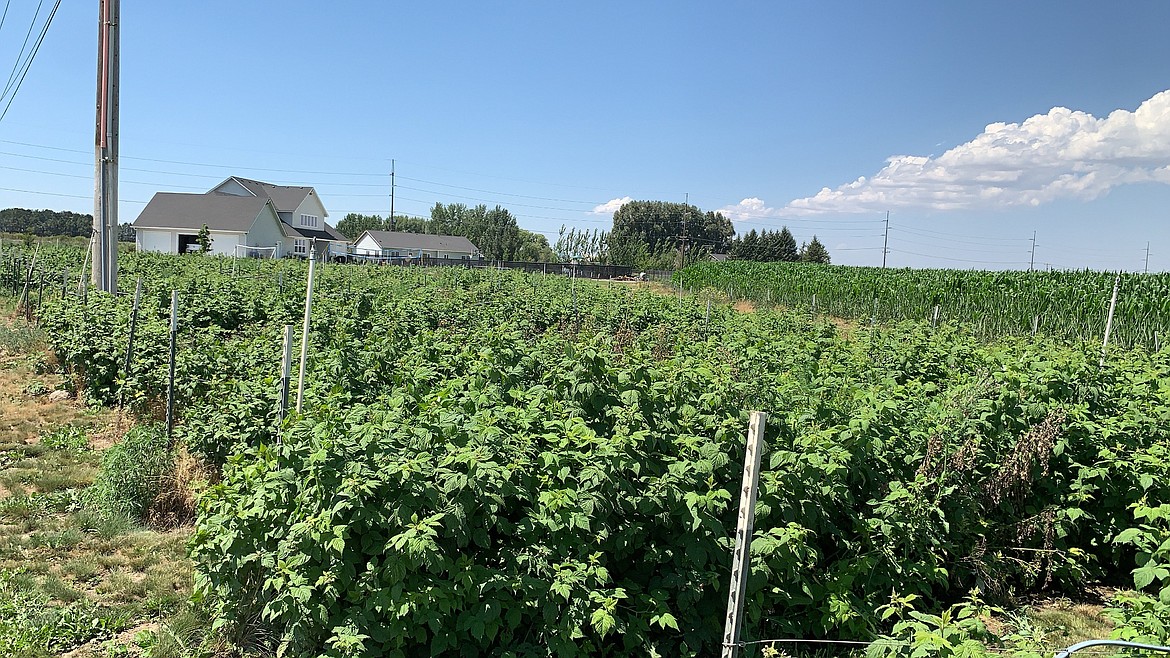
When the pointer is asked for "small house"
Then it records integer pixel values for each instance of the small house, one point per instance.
(394, 244)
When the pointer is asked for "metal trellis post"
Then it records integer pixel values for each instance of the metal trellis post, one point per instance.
(741, 557)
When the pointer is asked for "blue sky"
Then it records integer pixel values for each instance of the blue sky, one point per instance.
(558, 111)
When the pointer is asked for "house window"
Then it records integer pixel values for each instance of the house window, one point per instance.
(300, 246)
(310, 221)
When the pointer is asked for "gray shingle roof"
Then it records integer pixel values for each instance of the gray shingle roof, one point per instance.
(423, 241)
(221, 212)
(286, 198)
(327, 233)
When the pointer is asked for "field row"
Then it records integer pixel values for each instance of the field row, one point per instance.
(516, 464)
(1064, 305)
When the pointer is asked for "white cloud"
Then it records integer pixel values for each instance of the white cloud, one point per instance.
(1059, 155)
(611, 206)
(749, 208)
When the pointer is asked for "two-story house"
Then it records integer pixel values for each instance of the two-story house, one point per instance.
(240, 213)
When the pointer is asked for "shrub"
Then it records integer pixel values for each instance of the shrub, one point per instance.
(132, 473)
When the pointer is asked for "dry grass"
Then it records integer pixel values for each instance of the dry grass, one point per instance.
(175, 505)
(56, 550)
(744, 306)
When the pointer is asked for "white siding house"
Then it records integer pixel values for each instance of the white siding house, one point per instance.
(171, 223)
(239, 212)
(391, 244)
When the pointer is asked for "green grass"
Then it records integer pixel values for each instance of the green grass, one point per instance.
(71, 577)
(1066, 623)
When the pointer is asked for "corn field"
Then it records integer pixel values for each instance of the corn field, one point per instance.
(1072, 305)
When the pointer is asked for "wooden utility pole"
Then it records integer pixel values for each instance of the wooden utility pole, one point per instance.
(1032, 260)
(1146, 270)
(104, 242)
(391, 194)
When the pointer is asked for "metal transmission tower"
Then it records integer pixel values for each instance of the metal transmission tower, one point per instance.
(105, 194)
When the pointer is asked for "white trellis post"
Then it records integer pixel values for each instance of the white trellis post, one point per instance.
(741, 557)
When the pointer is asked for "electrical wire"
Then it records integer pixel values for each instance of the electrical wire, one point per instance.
(31, 57)
(959, 260)
(4, 16)
(16, 65)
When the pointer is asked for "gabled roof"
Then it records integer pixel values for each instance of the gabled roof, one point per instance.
(421, 241)
(285, 198)
(221, 212)
(326, 233)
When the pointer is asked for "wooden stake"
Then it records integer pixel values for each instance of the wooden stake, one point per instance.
(741, 557)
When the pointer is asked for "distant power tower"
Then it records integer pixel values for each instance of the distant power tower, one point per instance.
(105, 185)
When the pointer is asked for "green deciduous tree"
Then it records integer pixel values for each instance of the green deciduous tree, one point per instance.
(582, 246)
(354, 224)
(45, 222)
(493, 230)
(204, 239)
(651, 230)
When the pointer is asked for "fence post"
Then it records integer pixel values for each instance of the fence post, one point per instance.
(130, 339)
(285, 377)
(1109, 320)
(741, 557)
(305, 327)
(171, 369)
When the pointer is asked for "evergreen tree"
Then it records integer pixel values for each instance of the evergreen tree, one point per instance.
(786, 247)
(751, 246)
(814, 252)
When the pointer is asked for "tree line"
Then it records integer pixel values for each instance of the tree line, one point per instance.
(54, 223)
(777, 247)
(645, 234)
(44, 223)
(493, 230)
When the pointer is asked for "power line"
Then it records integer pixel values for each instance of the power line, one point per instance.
(69, 196)
(16, 65)
(5, 15)
(955, 237)
(32, 55)
(965, 249)
(960, 260)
